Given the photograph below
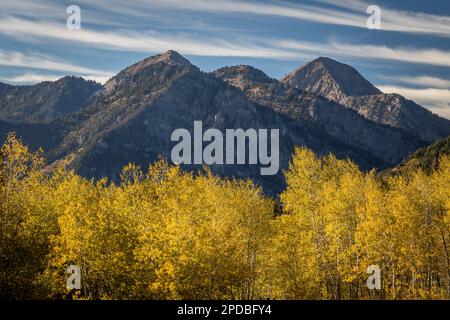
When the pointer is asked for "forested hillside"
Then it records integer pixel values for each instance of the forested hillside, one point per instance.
(426, 159)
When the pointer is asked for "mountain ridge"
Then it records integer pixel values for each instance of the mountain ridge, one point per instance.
(131, 117)
(46, 101)
(329, 78)
(336, 120)
(123, 127)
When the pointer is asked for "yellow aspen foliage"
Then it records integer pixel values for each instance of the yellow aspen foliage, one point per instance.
(97, 235)
(26, 220)
(169, 234)
(202, 237)
(320, 225)
(374, 242)
(418, 204)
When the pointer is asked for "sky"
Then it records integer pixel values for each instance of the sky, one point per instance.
(409, 54)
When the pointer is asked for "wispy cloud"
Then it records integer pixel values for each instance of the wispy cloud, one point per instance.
(31, 78)
(421, 81)
(28, 78)
(343, 13)
(400, 21)
(42, 62)
(346, 13)
(149, 41)
(144, 41)
(401, 54)
(39, 61)
(437, 100)
(52, 10)
(278, 8)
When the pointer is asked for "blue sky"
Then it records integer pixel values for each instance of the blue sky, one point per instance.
(409, 55)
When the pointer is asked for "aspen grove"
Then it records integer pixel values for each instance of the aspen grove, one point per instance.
(162, 233)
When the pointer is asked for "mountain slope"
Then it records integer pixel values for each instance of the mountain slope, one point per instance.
(34, 135)
(96, 130)
(46, 101)
(426, 159)
(387, 143)
(397, 111)
(343, 84)
(133, 118)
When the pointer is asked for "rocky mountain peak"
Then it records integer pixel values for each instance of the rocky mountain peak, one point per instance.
(161, 68)
(342, 83)
(171, 58)
(331, 79)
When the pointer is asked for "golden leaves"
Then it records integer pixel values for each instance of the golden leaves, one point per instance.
(170, 234)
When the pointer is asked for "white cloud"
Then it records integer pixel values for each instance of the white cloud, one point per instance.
(148, 41)
(31, 78)
(52, 10)
(423, 81)
(401, 54)
(437, 100)
(130, 40)
(302, 12)
(42, 62)
(344, 12)
(99, 79)
(400, 21)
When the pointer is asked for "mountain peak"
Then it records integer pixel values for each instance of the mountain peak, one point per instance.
(169, 57)
(71, 80)
(326, 60)
(331, 79)
(242, 76)
(155, 66)
(47, 101)
(244, 71)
